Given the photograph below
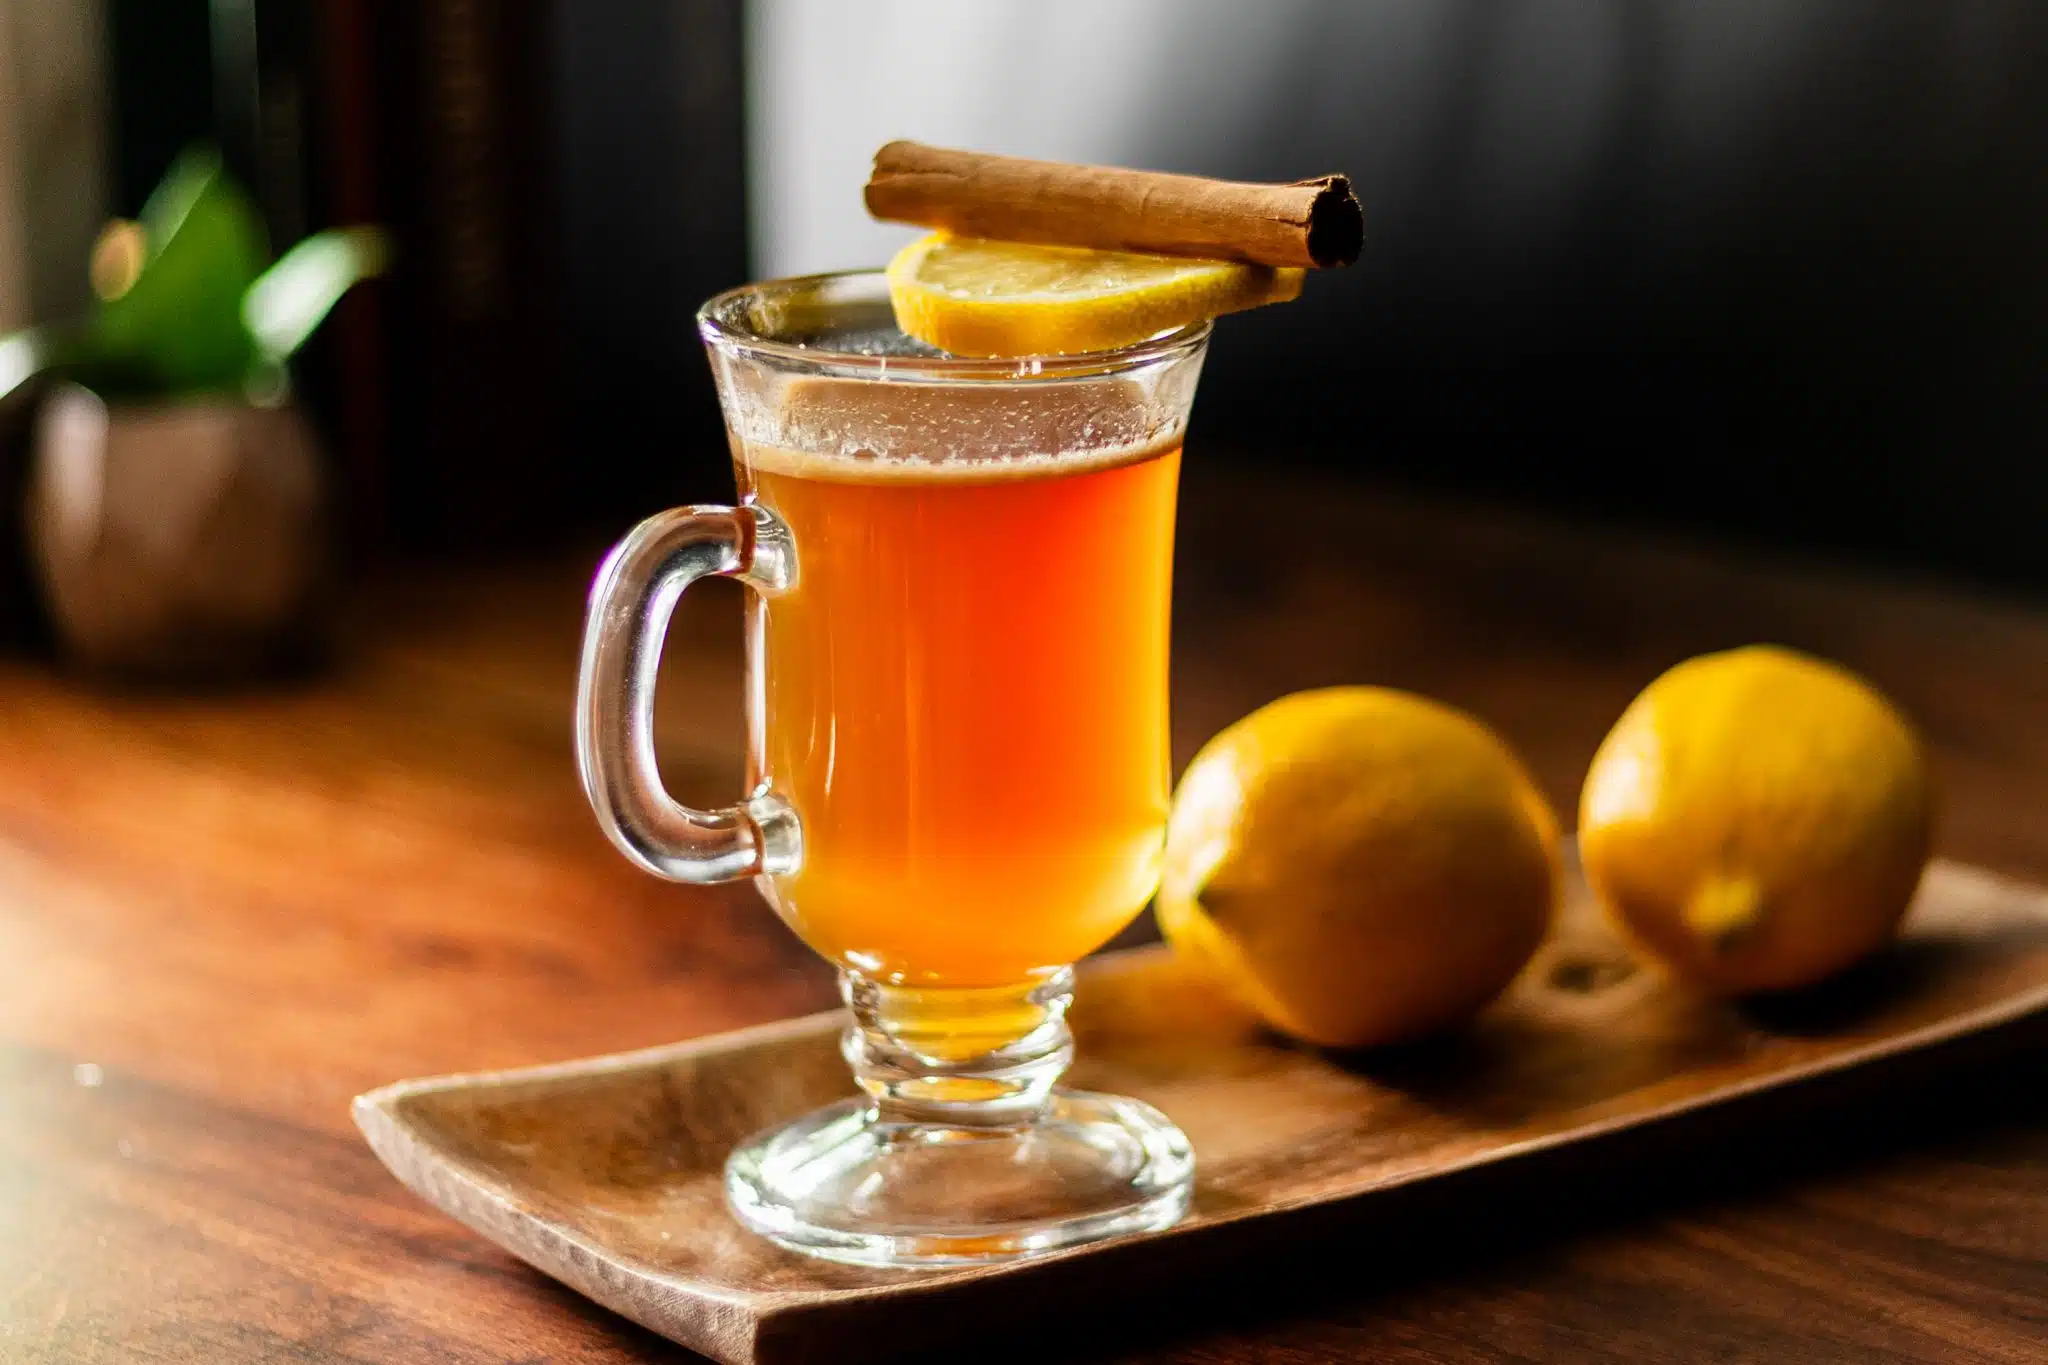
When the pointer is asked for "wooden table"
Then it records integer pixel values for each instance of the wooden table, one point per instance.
(222, 916)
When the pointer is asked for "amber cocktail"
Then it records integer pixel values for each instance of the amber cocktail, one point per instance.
(965, 700)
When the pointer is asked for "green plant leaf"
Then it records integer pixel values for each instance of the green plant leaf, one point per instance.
(23, 355)
(67, 348)
(289, 300)
(180, 323)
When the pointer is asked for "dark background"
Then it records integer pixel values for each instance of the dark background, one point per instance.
(1835, 345)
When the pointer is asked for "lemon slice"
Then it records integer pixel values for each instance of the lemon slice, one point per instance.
(975, 297)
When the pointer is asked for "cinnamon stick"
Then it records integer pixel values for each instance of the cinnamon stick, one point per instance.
(1308, 223)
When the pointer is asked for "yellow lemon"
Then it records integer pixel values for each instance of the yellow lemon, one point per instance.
(1757, 819)
(1359, 865)
(981, 298)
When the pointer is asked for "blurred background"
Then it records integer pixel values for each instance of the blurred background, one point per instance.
(1769, 271)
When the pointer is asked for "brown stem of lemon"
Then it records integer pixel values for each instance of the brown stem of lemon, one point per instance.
(1723, 908)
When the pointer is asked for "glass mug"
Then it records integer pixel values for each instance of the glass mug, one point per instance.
(958, 754)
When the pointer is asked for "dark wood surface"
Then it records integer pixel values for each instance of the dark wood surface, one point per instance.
(222, 916)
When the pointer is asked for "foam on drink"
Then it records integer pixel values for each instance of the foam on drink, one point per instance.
(858, 429)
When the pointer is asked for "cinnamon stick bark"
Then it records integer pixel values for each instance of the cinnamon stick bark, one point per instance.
(1308, 223)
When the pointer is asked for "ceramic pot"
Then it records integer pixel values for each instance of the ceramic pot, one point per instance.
(176, 538)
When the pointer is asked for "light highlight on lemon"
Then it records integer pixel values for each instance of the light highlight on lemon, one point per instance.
(974, 297)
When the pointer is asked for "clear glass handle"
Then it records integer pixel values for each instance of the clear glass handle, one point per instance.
(630, 604)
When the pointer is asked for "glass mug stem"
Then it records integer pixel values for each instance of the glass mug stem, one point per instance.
(972, 1059)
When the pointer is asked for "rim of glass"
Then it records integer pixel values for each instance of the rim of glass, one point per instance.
(716, 331)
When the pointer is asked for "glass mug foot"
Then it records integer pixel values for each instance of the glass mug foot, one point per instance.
(960, 1160)
(849, 1185)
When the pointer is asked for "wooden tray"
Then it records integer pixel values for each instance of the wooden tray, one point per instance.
(605, 1173)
